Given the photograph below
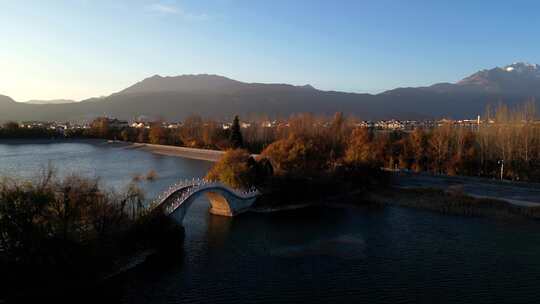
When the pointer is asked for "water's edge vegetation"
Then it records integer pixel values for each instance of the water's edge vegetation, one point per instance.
(70, 232)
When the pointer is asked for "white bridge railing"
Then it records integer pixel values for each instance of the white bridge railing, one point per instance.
(190, 187)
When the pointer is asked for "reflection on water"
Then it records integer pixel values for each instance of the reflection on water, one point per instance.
(322, 255)
(219, 228)
(345, 247)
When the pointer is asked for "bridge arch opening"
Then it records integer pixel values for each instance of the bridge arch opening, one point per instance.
(224, 201)
(219, 204)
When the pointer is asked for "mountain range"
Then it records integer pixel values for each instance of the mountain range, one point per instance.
(50, 101)
(174, 98)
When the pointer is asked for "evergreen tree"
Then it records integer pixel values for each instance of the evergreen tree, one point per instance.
(235, 137)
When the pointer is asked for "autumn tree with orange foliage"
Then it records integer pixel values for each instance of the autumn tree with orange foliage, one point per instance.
(100, 127)
(360, 147)
(418, 141)
(158, 134)
(238, 169)
(232, 169)
(298, 155)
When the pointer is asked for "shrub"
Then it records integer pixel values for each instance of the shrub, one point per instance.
(232, 169)
(68, 226)
(151, 175)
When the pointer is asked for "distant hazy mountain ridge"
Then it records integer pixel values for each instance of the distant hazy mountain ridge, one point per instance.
(198, 83)
(50, 101)
(183, 83)
(6, 99)
(174, 98)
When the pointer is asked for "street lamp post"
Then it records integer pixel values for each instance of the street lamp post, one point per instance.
(501, 162)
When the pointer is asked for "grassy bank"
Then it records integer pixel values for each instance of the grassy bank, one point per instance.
(454, 203)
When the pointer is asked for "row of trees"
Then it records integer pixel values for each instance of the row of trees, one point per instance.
(507, 138)
(194, 132)
(200, 133)
(508, 144)
(13, 130)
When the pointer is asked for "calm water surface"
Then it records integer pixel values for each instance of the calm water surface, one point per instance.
(114, 164)
(336, 255)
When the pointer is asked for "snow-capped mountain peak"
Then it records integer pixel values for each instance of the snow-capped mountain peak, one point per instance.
(518, 78)
(522, 67)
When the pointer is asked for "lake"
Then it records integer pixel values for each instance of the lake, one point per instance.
(314, 255)
(114, 164)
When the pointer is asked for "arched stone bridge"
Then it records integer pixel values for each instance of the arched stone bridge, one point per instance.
(224, 200)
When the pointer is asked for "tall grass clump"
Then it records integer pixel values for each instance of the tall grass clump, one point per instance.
(69, 229)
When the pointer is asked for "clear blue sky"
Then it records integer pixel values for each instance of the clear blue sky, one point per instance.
(83, 48)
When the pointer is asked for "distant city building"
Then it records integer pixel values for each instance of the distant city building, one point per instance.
(117, 124)
(389, 125)
(138, 125)
(245, 125)
(173, 125)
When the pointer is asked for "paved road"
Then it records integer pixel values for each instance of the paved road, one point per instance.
(517, 193)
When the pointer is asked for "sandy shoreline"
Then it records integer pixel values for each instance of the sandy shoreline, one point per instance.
(192, 153)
